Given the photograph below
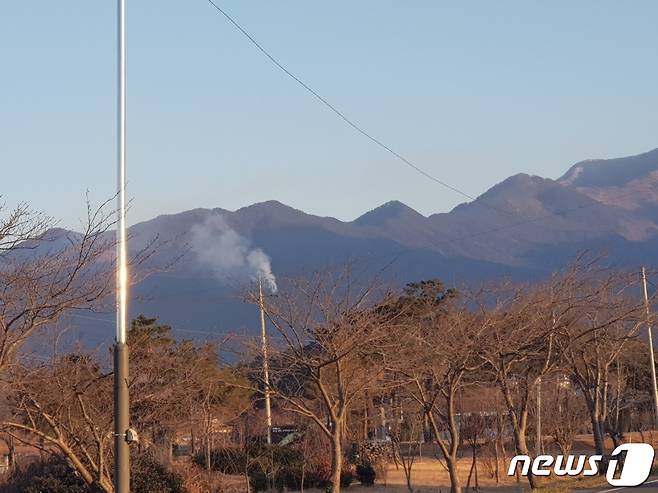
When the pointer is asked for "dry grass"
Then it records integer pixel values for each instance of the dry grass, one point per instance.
(431, 472)
(428, 475)
(197, 480)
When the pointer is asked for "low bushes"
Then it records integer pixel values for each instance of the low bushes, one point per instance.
(148, 475)
(232, 460)
(54, 475)
(272, 466)
(366, 474)
(48, 476)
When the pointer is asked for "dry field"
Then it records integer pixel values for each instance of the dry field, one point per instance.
(428, 474)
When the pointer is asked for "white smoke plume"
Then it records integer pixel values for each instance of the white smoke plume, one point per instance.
(227, 253)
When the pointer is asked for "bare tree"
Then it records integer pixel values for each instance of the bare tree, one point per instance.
(20, 225)
(525, 344)
(437, 354)
(474, 427)
(331, 347)
(565, 412)
(405, 435)
(593, 346)
(62, 407)
(44, 273)
(562, 319)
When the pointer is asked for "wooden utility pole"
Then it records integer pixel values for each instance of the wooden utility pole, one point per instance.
(652, 362)
(266, 369)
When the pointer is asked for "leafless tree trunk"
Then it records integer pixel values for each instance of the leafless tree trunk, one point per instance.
(436, 356)
(47, 272)
(593, 346)
(531, 336)
(330, 340)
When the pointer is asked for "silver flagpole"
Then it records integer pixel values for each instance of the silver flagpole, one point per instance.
(121, 399)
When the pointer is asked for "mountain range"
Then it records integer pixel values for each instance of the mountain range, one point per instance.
(522, 228)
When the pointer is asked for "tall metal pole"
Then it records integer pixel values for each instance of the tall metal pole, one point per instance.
(652, 362)
(266, 366)
(121, 399)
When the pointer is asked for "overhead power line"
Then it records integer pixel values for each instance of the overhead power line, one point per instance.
(364, 132)
(389, 149)
(338, 112)
(216, 332)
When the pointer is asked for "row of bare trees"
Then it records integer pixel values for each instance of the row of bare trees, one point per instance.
(339, 345)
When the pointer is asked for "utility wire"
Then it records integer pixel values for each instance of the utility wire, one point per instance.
(211, 332)
(386, 147)
(339, 113)
(373, 139)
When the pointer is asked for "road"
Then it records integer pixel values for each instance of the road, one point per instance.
(651, 486)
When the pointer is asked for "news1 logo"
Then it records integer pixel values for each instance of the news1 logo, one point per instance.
(635, 469)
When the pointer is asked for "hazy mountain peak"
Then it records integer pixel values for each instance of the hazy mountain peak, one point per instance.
(272, 209)
(392, 210)
(629, 183)
(520, 179)
(267, 205)
(273, 213)
(514, 189)
(610, 172)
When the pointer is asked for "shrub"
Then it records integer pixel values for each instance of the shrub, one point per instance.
(228, 460)
(258, 481)
(272, 465)
(48, 476)
(54, 475)
(366, 475)
(233, 460)
(148, 475)
(196, 481)
(346, 477)
(290, 477)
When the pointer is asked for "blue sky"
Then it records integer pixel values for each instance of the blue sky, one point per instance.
(470, 91)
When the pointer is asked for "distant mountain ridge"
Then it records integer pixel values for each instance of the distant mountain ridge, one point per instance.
(630, 183)
(523, 227)
(610, 172)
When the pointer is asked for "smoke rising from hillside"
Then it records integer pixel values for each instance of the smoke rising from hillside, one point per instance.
(226, 252)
